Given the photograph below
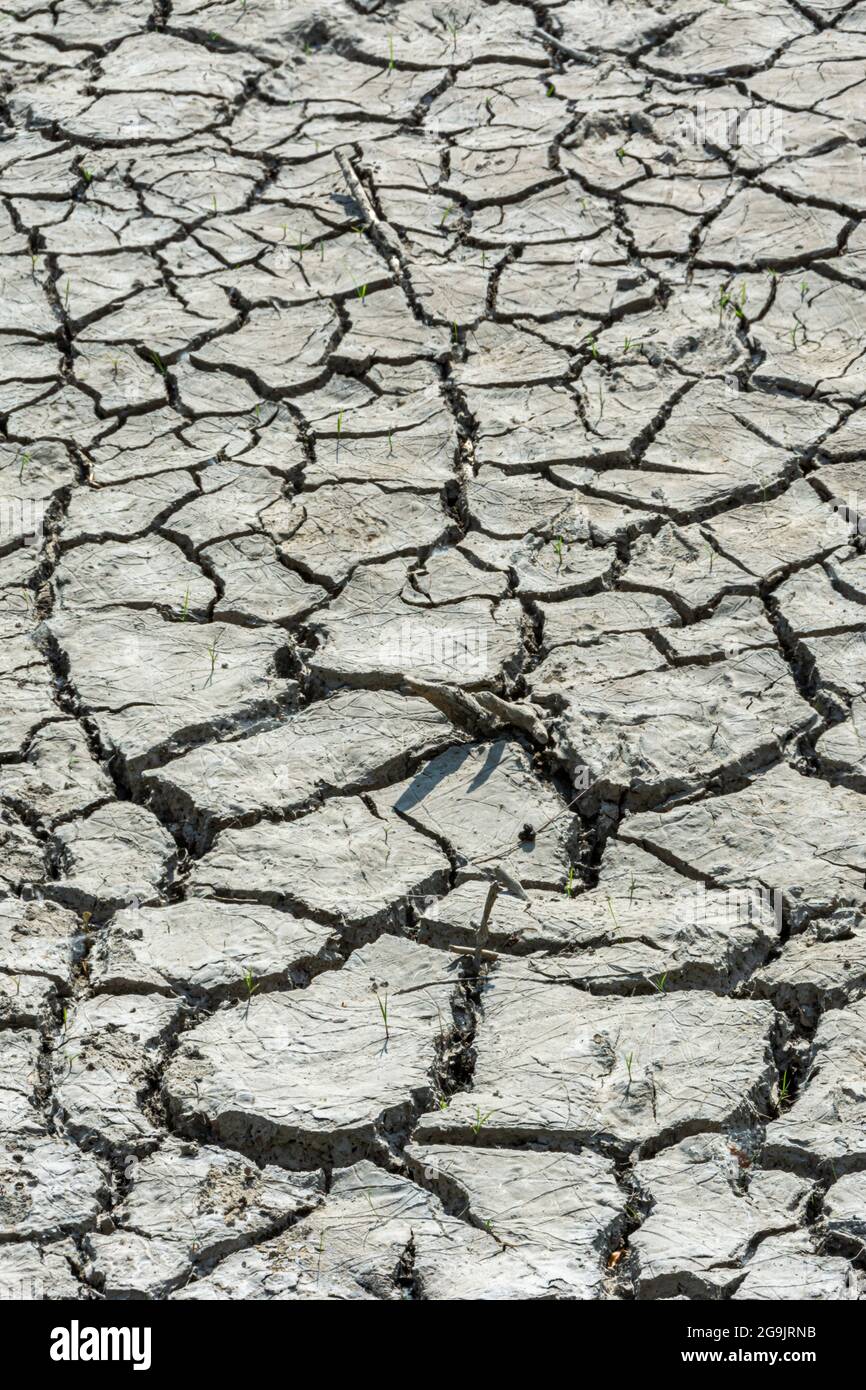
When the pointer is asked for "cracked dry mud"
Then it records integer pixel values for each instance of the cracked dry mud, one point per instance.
(433, 456)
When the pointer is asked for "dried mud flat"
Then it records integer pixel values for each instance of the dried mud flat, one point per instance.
(433, 458)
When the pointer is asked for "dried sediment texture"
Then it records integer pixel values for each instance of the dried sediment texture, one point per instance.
(433, 650)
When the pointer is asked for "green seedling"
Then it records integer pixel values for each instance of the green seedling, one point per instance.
(628, 1065)
(446, 214)
(250, 983)
(382, 1001)
(727, 302)
(626, 347)
(444, 1102)
(157, 362)
(620, 154)
(390, 443)
(25, 459)
(480, 1121)
(213, 200)
(339, 424)
(569, 885)
(557, 546)
(184, 607)
(455, 333)
(390, 53)
(804, 289)
(660, 983)
(212, 653)
(612, 913)
(593, 347)
(631, 890)
(483, 260)
(784, 1089)
(361, 292)
(551, 90)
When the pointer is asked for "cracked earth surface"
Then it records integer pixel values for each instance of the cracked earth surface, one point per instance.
(432, 624)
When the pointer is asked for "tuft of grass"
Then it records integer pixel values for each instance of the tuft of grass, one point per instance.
(784, 1088)
(660, 983)
(250, 982)
(361, 292)
(558, 546)
(569, 885)
(726, 301)
(184, 608)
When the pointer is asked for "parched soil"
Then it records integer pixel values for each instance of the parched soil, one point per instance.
(433, 641)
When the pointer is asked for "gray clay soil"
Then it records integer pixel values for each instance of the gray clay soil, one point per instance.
(433, 623)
